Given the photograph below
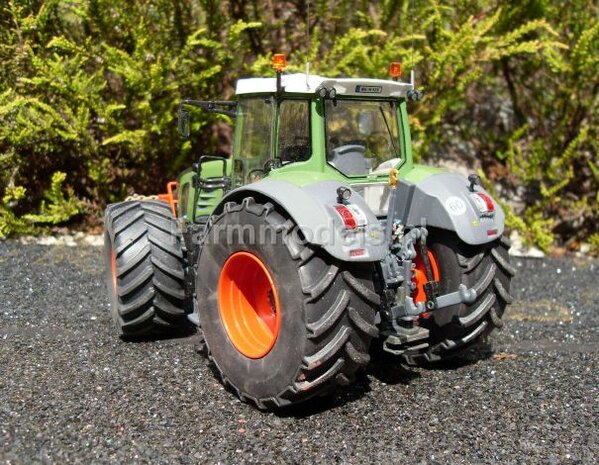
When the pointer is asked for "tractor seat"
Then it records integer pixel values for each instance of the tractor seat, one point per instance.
(293, 153)
(350, 160)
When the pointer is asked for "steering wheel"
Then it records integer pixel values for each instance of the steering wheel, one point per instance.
(349, 148)
(298, 151)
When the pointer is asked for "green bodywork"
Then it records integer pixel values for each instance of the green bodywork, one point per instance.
(207, 199)
(301, 173)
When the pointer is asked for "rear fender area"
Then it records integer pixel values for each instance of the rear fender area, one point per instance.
(445, 201)
(312, 207)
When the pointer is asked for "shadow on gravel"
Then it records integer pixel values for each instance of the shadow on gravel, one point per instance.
(179, 333)
(471, 356)
(386, 369)
(311, 407)
(389, 370)
(324, 404)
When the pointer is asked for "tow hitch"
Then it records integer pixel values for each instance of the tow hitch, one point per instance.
(401, 332)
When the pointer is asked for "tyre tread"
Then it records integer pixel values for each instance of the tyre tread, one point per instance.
(484, 315)
(338, 335)
(331, 317)
(150, 268)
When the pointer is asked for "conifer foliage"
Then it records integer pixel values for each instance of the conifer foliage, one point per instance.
(89, 91)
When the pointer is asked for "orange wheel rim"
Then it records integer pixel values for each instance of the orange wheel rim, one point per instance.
(113, 270)
(248, 305)
(420, 275)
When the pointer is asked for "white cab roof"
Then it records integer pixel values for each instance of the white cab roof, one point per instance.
(298, 84)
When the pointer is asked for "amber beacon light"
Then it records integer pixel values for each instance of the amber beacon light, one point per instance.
(278, 62)
(395, 70)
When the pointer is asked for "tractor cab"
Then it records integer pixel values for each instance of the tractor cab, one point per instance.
(304, 128)
(350, 128)
(349, 125)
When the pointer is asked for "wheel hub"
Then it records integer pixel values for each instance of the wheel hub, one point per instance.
(420, 278)
(248, 305)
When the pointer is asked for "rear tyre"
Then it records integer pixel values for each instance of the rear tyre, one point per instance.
(485, 268)
(144, 269)
(288, 322)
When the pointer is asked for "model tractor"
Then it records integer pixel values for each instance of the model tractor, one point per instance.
(317, 239)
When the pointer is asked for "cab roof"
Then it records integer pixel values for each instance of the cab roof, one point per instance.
(298, 84)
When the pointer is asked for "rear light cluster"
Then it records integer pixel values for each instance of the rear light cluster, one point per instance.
(484, 203)
(346, 215)
(352, 217)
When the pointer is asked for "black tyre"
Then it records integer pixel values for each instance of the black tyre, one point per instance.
(144, 269)
(283, 321)
(485, 268)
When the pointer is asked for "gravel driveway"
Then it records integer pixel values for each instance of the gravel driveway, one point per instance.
(71, 392)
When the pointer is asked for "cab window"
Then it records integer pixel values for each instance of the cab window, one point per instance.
(253, 138)
(361, 135)
(294, 131)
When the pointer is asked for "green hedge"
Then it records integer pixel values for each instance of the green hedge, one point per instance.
(89, 88)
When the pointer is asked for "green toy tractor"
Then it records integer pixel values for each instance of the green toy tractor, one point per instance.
(318, 238)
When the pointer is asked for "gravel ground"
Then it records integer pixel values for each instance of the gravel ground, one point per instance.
(71, 392)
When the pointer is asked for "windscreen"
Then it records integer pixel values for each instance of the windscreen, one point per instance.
(361, 135)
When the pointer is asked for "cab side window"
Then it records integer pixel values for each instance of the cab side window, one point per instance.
(253, 138)
(255, 115)
(294, 131)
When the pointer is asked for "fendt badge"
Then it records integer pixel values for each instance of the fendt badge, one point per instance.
(368, 89)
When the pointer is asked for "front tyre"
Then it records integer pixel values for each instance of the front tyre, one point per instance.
(487, 269)
(283, 321)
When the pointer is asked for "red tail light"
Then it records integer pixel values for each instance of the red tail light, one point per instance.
(483, 202)
(347, 216)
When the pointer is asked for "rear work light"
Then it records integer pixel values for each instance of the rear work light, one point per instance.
(484, 203)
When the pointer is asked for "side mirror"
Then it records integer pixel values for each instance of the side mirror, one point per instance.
(183, 125)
